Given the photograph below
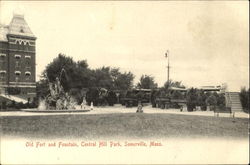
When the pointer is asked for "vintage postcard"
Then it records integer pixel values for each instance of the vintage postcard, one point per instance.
(124, 82)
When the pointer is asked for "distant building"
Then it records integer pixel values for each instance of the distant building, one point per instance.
(211, 88)
(17, 59)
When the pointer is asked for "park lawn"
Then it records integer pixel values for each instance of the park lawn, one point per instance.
(126, 125)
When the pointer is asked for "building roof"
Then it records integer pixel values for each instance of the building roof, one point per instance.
(177, 89)
(211, 88)
(3, 32)
(17, 26)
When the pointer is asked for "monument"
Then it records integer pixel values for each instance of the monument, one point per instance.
(57, 99)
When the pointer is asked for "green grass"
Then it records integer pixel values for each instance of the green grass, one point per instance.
(129, 125)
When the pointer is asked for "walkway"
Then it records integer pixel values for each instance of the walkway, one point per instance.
(122, 109)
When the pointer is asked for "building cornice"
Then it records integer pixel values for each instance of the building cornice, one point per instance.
(21, 36)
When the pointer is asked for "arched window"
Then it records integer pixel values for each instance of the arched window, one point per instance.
(17, 62)
(17, 56)
(27, 75)
(27, 62)
(17, 73)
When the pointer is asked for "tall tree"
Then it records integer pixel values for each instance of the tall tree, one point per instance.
(71, 74)
(244, 98)
(112, 78)
(102, 78)
(147, 82)
(122, 81)
(76, 76)
(172, 83)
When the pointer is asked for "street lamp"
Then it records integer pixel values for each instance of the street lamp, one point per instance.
(168, 67)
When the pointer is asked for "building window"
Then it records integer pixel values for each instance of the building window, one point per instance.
(27, 57)
(17, 56)
(27, 75)
(21, 29)
(27, 62)
(2, 75)
(2, 60)
(18, 63)
(17, 73)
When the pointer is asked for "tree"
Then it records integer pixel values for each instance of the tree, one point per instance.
(54, 69)
(111, 98)
(211, 101)
(112, 78)
(177, 95)
(220, 100)
(147, 82)
(75, 77)
(122, 81)
(244, 98)
(201, 100)
(71, 74)
(171, 83)
(102, 78)
(191, 99)
(42, 88)
(92, 95)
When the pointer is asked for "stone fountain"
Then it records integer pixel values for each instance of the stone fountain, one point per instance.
(57, 99)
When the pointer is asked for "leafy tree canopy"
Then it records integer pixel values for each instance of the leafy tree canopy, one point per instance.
(147, 82)
(77, 75)
(172, 83)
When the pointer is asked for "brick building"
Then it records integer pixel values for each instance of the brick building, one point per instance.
(17, 60)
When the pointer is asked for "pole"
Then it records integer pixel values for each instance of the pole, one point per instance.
(168, 67)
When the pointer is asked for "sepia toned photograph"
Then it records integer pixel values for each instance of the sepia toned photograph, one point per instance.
(124, 82)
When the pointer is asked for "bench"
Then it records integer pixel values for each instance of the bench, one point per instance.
(226, 110)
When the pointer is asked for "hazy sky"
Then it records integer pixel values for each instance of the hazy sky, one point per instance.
(208, 40)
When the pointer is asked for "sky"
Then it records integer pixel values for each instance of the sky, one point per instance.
(208, 41)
